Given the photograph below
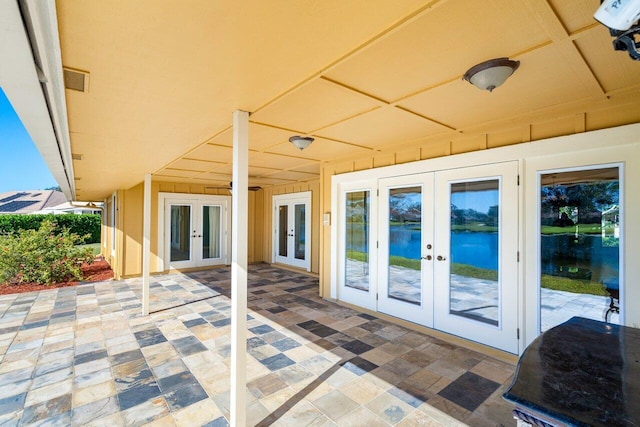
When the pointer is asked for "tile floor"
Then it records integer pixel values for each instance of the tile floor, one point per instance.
(85, 356)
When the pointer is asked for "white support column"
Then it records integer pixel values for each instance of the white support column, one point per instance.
(146, 243)
(239, 239)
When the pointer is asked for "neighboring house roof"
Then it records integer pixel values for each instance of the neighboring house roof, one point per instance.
(67, 207)
(29, 201)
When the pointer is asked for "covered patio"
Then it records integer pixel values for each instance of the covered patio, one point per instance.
(86, 356)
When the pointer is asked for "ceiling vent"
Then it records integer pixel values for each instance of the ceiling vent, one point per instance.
(76, 80)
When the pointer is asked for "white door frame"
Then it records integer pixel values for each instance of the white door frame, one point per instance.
(197, 200)
(290, 200)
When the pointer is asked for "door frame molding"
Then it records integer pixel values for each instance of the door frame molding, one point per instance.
(163, 197)
(289, 198)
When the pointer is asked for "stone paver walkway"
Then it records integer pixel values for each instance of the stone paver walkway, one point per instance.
(85, 356)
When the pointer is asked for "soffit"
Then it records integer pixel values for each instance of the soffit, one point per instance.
(455, 105)
(314, 106)
(383, 126)
(439, 46)
(596, 49)
(364, 76)
(574, 15)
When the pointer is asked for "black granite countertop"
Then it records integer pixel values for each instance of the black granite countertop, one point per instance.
(581, 373)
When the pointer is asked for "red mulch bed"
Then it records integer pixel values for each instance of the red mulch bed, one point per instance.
(97, 271)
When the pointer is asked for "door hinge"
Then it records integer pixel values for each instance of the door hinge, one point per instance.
(518, 256)
(378, 192)
(377, 244)
(518, 179)
(376, 297)
(518, 333)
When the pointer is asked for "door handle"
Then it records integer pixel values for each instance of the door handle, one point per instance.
(441, 258)
(428, 257)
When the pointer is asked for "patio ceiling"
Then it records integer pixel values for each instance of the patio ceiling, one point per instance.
(361, 76)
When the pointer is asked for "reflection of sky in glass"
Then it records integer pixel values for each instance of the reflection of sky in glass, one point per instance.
(479, 201)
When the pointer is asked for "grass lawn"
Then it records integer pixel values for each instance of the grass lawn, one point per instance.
(95, 247)
(577, 286)
(582, 229)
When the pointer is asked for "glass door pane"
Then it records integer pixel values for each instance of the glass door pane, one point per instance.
(474, 250)
(283, 230)
(476, 256)
(579, 245)
(180, 233)
(405, 244)
(299, 231)
(357, 207)
(211, 232)
(405, 238)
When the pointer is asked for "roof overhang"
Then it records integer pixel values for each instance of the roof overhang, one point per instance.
(31, 77)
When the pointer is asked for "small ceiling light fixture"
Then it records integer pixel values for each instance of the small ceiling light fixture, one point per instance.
(301, 142)
(490, 74)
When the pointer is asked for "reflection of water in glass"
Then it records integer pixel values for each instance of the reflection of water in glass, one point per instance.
(479, 249)
(583, 257)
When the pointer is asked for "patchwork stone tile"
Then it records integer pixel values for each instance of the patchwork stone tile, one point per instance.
(138, 395)
(266, 385)
(92, 393)
(58, 408)
(469, 390)
(310, 362)
(96, 410)
(335, 404)
(276, 362)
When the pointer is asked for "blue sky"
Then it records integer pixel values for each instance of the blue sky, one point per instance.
(21, 165)
(479, 201)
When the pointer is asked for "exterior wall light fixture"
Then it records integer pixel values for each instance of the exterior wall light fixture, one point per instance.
(490, 74)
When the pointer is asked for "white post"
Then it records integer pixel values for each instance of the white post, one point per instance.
(239, 239)
(146, 243)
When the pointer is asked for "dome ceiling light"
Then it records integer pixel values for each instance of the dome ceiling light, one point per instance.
(490, 74)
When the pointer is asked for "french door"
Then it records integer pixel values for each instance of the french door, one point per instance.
(445, 249)
(196, 233)
(405, 267)
(292, 229)
(476, 260)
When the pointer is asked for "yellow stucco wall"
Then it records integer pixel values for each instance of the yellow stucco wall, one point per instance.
(596, 119)
(128, 260)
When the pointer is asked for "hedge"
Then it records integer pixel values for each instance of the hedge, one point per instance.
(78, 224)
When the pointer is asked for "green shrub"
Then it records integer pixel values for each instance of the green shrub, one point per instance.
(46, 255)
(78, 224)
